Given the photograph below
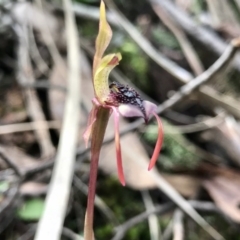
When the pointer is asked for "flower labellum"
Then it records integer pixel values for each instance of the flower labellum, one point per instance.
(132, 105)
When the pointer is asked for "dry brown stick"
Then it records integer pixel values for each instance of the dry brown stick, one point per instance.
(50, 225)
(33, 105)
(187, 48)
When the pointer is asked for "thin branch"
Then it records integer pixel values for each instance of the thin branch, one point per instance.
(154, 226)
(30, 126)
(171, 67)
(201, 34)
(168, 231)
(50, 225)
(44, 84)
(195, 127)
(67, 232)
(8, 205)
(35, 54)
(33, 105)
(10, 163)
(187, 48)
(178, 228)
(70, 234)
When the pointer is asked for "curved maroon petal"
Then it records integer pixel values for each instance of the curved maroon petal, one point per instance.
(118, 147)
(159, 143)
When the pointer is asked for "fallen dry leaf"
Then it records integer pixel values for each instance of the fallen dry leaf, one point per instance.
(188, 186)
(224, 189)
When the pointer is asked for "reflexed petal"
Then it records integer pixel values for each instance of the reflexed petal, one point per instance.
(128, 110)
(101, 85)
(103, 38)
(118, 147)
(158, 145)
(91, 119)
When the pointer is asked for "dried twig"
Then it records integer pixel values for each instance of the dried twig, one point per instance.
(8, 205)
(33, 105)
(70, 234)
(187, 48)
(195, 127)
(10, 163)
(178, 229)
(30, 126)
(154, 226)
(65, 231)
(168, 231)
(35, 54)
(203, 35)
(50, 225)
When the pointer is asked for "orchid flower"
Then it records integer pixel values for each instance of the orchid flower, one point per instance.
(116, 99)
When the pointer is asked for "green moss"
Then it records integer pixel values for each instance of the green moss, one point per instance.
(165, 38)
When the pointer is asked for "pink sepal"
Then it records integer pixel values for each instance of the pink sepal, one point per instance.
(159, 143)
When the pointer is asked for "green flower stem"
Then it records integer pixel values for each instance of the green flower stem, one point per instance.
(98, 133)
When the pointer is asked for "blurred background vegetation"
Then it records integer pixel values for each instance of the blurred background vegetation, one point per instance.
(164, 44)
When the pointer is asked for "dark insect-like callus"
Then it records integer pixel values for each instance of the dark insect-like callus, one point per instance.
(127, 95)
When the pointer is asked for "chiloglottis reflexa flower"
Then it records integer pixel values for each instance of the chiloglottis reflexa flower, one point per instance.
(119, 99)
